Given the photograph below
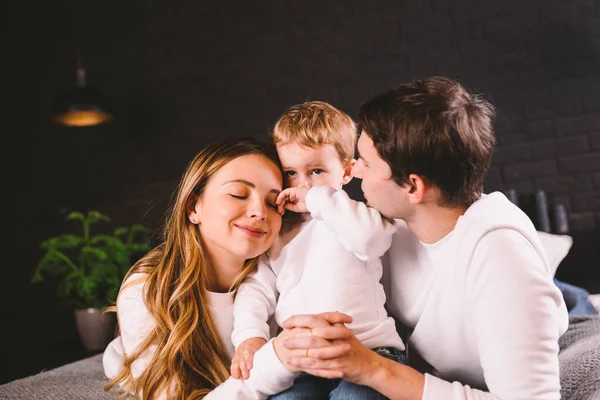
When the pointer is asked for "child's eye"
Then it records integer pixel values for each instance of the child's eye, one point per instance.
(290, 173)
(317, 171)
(237, 196)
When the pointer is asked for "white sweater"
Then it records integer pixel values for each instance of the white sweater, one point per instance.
(268, 376)
(309, 270)
(485, 312)
(481, 301)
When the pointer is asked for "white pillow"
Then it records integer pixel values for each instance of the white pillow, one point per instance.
(595, 300)
(557, 247)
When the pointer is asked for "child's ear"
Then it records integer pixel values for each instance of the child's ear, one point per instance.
(348, 172)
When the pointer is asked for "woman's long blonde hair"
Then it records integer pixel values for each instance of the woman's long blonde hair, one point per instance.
(190, 360)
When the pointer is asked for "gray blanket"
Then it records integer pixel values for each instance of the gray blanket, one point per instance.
(580, 359)
(579, 370)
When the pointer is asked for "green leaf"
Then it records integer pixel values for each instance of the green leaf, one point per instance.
(37, 277)
(120, 231)
(66, 241)
(53, 263)
(138, 247)
(70, 283)
(75, 215)
(110, 241)
(97, 253)
(89, 287)
(108, 273)
(95, 216)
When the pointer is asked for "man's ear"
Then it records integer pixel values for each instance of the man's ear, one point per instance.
(416, 189)
(348, 172)
(193, 208)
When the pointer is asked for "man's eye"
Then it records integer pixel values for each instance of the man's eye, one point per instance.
(237, 196)
(290, 173)
(317, 171)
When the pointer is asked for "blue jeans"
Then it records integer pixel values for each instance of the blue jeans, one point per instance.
(309, 387)
(576, 299)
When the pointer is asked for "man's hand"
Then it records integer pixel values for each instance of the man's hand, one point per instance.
(244, 354)
(344, 355)
(299, 347)
(293, 199)
(302, 334)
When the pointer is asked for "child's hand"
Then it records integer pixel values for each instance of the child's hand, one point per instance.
(244, 354)
(293, 199)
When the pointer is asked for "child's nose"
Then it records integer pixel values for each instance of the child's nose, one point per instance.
(306, 182)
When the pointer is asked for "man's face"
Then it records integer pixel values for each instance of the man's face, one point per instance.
(378, 186)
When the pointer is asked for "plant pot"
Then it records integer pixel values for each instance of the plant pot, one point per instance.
(95, 329)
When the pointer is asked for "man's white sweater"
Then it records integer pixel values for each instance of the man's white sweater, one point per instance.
(485, 314)
(310, 269)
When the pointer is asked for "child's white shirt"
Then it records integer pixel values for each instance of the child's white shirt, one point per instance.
(310, 270)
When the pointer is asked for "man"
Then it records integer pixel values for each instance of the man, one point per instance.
(467, 271)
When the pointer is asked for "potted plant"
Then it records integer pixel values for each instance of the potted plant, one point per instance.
(90, 269)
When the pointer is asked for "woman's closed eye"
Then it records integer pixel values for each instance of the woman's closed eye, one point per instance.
(242, 197)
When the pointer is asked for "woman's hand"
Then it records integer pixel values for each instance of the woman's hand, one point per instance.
(343, 356)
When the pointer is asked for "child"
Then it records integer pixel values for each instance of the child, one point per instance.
(308, 269)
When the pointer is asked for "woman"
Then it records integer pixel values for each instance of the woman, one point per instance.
(175, 306)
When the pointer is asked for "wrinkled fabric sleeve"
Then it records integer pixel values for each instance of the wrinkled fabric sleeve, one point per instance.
(362, 230)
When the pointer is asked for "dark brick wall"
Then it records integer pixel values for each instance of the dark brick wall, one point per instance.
(183, 73)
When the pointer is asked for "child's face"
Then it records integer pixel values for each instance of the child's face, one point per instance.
(308, 167)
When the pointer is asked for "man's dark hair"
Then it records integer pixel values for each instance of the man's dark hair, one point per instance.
(436, 129)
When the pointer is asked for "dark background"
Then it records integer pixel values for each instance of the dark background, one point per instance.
(183, 73)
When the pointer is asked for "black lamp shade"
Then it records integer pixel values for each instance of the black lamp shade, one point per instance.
(83, 106)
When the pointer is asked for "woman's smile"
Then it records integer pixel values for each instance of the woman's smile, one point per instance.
(251, 231)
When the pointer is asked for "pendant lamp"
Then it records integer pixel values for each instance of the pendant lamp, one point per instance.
(82, 105)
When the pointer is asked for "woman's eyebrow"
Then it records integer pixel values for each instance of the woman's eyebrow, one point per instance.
(250, 184)
(242, 181)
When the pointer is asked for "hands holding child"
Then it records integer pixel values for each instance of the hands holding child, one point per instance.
(320, 345)
(331, 350)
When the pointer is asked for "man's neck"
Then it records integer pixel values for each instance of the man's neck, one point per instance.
(431, 223)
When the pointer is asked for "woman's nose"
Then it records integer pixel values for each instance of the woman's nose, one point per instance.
(257, 209)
